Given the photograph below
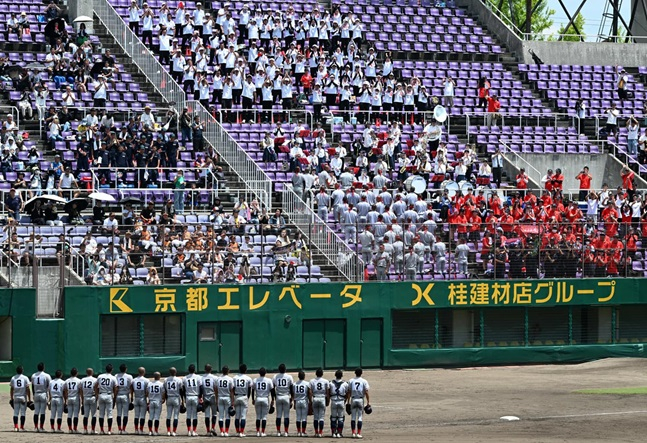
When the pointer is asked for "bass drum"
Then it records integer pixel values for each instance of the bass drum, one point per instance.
(416, 184)
(466, 186)
(451, 186)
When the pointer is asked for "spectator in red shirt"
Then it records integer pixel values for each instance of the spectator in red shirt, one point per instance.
(546, 198)
(573, 212)
(507, 223)
(628, 181)
(491, 222)
(494, 204)
(483, 88)
(585, 182)
(522, 182)
(475, 228)
(306, 81)
(610, 218)
(547, 181)
(601, 262)
(460, 220)
(493, 107)
(557, 180)
(613, 260)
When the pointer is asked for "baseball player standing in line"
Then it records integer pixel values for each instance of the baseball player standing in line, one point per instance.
(209, 405)
(124, 397)
(262, 389)
(320, 399)
(283, 386)
(156, 395)
(20, 396)
(358, 390)
(56, 388)
(224, 398)
(89, 400)
(242, 391)
(106, 392)
(138, 390)
(71, 395)
(192, 387)
(39, 387)
(338, 391)
(172, 386)
(302, 397)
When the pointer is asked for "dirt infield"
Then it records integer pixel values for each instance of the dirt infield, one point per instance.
(465, 405)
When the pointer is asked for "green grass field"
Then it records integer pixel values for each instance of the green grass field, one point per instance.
(615, 391)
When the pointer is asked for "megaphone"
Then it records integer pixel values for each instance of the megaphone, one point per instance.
(440, 113)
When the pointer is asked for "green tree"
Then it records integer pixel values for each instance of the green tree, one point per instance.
(570, 34)
(541, 17)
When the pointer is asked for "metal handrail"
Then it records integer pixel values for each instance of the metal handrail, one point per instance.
(335, 250)
(15, 112)
(231, 153)
(520, 160)
(139, 54)
(602, 118)
(283, 115)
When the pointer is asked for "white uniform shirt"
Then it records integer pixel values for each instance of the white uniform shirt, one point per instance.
(192, 384)
(124, 381)
(358, 387)
(156, 390)
(209, 383)
(263, 386)
(72, 386)
(56, 388)
(20, 383)
(283, 384)
(301, 388)
(87, 384)
(242, 383)
(319, 385)
(140, 386)
(338, 389)
(225, 385)
(41, 381)
(106, 383)
(172, 386)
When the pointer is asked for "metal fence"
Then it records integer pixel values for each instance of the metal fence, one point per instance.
(331, 246)
(256, 115)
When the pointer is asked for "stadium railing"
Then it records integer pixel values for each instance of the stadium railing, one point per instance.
(328, 243)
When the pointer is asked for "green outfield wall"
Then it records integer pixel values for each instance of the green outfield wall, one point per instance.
(409, 324)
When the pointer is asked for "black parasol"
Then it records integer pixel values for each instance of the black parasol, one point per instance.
(81, 204)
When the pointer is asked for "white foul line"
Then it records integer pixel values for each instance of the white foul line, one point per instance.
(593, 414)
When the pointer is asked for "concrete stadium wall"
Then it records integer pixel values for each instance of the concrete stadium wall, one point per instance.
(601, 166)
(560, 53)
(585, 53)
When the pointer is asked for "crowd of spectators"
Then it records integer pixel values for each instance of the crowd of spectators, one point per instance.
(521, 233)
(224, 246)
(265, 58)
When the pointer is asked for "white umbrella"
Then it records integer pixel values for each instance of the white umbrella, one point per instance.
(82, 18)
(102, 196)
(54, 198)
